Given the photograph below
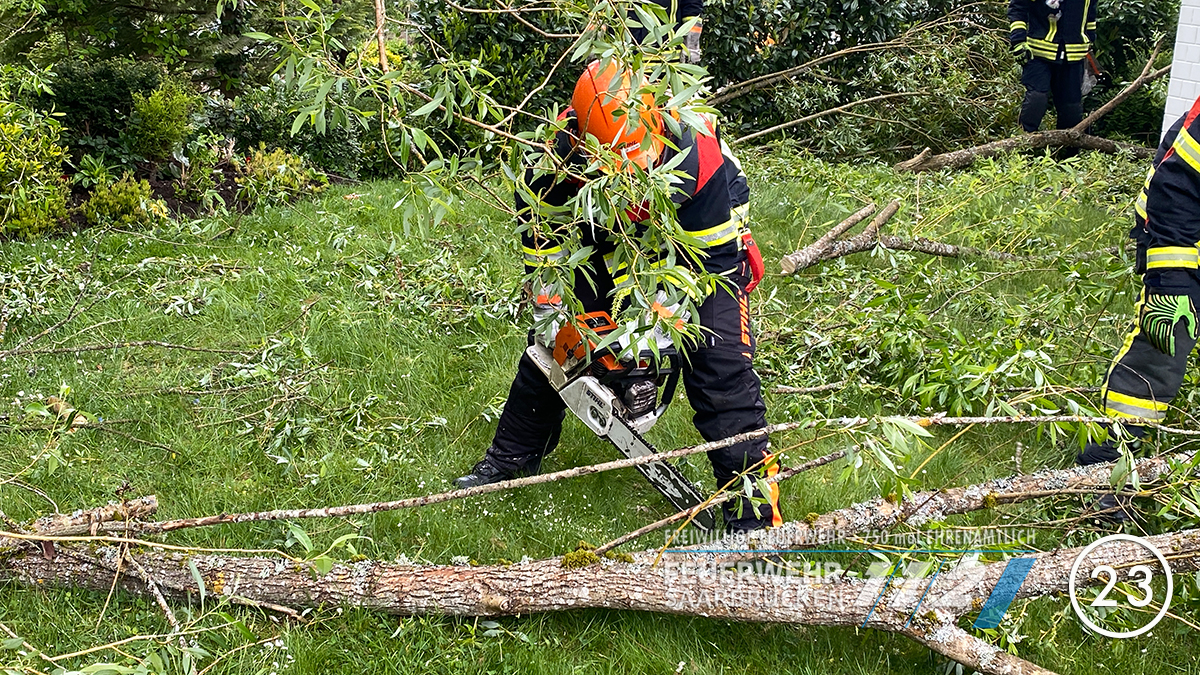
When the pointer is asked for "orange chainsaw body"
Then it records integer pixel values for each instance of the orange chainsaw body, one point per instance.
(571, 346)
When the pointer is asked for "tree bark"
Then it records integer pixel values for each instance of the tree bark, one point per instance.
(547, 586)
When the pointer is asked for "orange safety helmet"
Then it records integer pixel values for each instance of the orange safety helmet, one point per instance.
(598, 102)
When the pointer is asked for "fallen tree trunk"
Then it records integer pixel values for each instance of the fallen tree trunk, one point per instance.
(691, 583)
(1057, 138)
(550, 585)
(1074, 137)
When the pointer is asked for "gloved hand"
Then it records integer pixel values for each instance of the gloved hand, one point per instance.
(757, 269)
(637, 340)
(547, 317)
(1167, 302)
(1022, 53)
(692, 43)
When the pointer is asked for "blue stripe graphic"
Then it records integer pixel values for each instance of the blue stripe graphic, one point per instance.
(1005, 591)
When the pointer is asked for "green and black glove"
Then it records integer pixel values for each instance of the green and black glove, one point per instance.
(1022, 53)
(1167, 302)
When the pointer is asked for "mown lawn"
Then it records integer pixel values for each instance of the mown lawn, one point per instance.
(350, 361)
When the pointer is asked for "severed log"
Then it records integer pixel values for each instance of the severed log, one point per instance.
(1068, 138)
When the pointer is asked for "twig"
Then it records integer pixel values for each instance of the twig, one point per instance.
(782, 389)
(720, 499)
(127, 345)
(414, 502)
(1070, 138)
(158, 596)
(823, 113)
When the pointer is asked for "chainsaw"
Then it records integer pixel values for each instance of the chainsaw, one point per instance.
(618, 398)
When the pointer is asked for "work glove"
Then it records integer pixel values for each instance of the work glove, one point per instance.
(1166, 303)
(692, 43)
(1022, 53)
(757, 269)
(547, 317)
(636, 340)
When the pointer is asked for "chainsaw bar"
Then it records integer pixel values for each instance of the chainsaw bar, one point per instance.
(665, 477)
(598, 408)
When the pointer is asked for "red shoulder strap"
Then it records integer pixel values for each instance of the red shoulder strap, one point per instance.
(710, 156)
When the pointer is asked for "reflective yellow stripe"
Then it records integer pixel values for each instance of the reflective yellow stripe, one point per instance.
(1187, 148)
(1140, 204)
(1043, 48)
(1172, 256)
(1053, 30)
(536, 256)
(1087, 25)
(721, 234)
(1018, 25)
(1123, 405)
(1091, 26)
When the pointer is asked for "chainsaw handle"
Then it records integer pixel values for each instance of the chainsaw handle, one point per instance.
(668, 391)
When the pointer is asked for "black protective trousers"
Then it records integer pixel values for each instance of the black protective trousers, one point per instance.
(1044, 80)
(1143, 380)
(721, 386)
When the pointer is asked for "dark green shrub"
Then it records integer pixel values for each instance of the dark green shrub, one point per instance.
(277, 177)
(33, 193)
(160, 120)
(96, 97)
(124, 203)
(264, 117)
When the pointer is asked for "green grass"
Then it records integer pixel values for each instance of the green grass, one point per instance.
(375, 363)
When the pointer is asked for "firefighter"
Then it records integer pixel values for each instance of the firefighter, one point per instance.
(678, 13)
(1051, 40)
(1149, 368)
(711, 204)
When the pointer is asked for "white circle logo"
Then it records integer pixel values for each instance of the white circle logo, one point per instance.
(1138, 576)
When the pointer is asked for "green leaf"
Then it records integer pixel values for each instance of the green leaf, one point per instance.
(322, 564)
(199, 579)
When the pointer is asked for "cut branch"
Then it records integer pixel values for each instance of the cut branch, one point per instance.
(1068, 138)
(808, 255)
(1147, 75)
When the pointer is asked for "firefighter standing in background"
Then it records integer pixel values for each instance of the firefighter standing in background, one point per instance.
(1051, 40)
(678, 12)
(1149, 368)
(712, 204)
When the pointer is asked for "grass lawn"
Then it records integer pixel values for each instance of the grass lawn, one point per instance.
(349, 361)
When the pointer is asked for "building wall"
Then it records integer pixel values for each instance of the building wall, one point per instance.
(1185, 72)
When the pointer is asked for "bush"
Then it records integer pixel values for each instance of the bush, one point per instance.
(199, 175)
(159, 122)
(124, 203)
(276, 177)
(33, 193)
(264, 116)
(96, 97)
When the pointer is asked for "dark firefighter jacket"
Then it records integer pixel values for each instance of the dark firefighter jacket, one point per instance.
(1065, 33)
(712, 203)
(683, 10)
(1168, 209)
